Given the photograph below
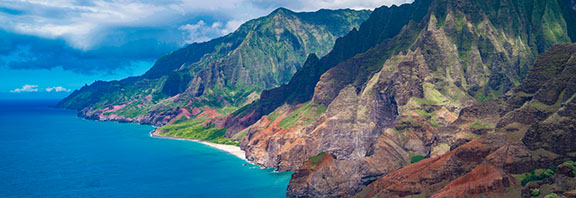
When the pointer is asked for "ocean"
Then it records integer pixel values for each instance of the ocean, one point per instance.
(48, 152)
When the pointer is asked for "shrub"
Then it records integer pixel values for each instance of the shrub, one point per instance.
(316, 159)
(551, 195)
(572, 165)
(307, 113)
(547, 173)
(416, 158)
(532, 176)
(535, 192)
(479, 125)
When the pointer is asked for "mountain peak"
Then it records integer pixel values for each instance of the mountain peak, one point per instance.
(282, 10)
(245, 53)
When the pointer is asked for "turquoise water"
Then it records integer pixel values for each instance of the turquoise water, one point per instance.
(46, 152)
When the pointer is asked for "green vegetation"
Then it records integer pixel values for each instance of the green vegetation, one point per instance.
(479, 125)
(300, 89)
(535, 175)
(398, 132)
(423, 113)
(431, 96)
(234, 96)
(307, 113)
(540, 106)
(571, 164)
(416, 158)
(132, 110)
(434, 123)
(225, 73)
(436, 96)
(274, 115)
(535, 192)
(316, 159)
(226, 110)
(193, 129)
(240, 135)
(545, 188)
(551, 195)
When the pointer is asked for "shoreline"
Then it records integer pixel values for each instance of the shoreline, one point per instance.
(231, 149)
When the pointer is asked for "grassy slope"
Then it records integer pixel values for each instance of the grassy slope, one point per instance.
(193, 129)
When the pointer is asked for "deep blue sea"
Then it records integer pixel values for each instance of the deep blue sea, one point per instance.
(47, 152)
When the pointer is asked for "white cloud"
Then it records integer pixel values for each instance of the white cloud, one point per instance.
(57, 89)
(201, 31)
(26, 88)
(353, 4)
(81, 25)
(307, 5)
(196, 32)
(86, 24)
(34, 88)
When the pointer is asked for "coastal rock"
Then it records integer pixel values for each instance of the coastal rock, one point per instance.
(224, 73)
(482, 167)
(450, 59)
(434, 79)
(485, 179)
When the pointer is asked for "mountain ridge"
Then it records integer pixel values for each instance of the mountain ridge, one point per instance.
(381, 107)
(222, 73)
(498, 153)
(420, 100)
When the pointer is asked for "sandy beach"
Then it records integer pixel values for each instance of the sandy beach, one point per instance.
(234, 150)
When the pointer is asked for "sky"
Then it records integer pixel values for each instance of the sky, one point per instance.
(49, 48)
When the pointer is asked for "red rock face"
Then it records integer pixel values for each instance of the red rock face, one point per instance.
(158, 117)
(352, 130)
(384, 105)
(271, 146)
(571, 194)
(183, 113)
(482, 167)
(485, 179)
(431, 174)
(402, 97)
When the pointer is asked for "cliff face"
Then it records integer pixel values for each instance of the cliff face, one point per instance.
(446, 80)
(383, 24)
(529, 118)
(226, 72)
(400, 97)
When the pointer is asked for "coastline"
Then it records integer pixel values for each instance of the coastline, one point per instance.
(234, 150)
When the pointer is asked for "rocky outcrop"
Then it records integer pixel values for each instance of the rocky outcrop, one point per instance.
(518, 143)
(562, 184)
(433, 79)
(384, 24)
(224, 73)
(407, 92)
(485, 179)
(155, 118)
(430, 175)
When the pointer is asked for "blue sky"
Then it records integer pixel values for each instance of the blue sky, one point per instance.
(51, 47)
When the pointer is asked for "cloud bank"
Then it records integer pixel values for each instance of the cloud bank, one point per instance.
(57, 89)
(34, 88)
(109, 35)
(25, 88)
